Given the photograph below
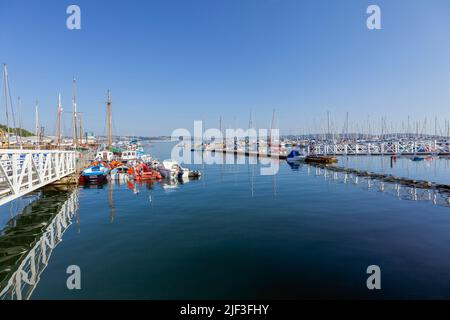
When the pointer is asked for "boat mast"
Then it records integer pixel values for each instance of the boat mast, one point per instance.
(5, 81)
(109, 120)
(250, 127)
(58, 128)
(81, 130)
(221, 131)
(328, 126)
(37, 125)
(19, 134)
(346, 126)
(269, 136)
(448, 129)
(74, 108)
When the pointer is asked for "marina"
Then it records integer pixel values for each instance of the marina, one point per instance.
(166, 219)
(81, 193)
(217, 158)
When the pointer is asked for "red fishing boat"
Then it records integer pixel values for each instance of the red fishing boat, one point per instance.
(144, 172)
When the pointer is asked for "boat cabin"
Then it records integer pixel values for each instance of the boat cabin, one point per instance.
(104, 155)
(129, 155)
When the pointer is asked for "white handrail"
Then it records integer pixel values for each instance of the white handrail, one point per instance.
(23, 171)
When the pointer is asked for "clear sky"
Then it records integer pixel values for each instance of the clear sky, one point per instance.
(170, 62)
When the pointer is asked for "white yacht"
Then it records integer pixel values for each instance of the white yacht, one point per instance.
(172, 169)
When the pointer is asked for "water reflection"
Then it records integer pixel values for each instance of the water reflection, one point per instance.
(136, 186)
(28, 240)
(400, 191)
(295, 165)
(436, 169)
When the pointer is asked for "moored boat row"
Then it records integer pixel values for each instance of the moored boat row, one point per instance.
(144, 168)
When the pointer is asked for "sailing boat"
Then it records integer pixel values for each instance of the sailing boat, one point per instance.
(99, 170)
(106, 154)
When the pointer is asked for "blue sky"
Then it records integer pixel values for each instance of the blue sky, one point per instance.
(170, 62)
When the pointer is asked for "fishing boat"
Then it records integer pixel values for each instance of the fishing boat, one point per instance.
(96, 173)
(119, 173)
(321, 159)
(295, 155)
(145, 172)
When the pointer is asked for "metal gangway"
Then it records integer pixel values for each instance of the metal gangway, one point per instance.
(409, 147)
(24, 280)
(23, 171)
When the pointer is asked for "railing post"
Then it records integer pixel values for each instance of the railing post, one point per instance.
(30, 170)
(15, 171)
(41, 164)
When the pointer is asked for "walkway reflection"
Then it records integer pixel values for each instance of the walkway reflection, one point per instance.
(28, 239)
(400, 191)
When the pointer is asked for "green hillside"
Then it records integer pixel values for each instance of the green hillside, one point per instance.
(20, 131)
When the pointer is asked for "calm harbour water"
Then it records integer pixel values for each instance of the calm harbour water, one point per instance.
(237, 234)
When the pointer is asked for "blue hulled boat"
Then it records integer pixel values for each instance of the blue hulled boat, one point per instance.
(96, 173)
(295, 155)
